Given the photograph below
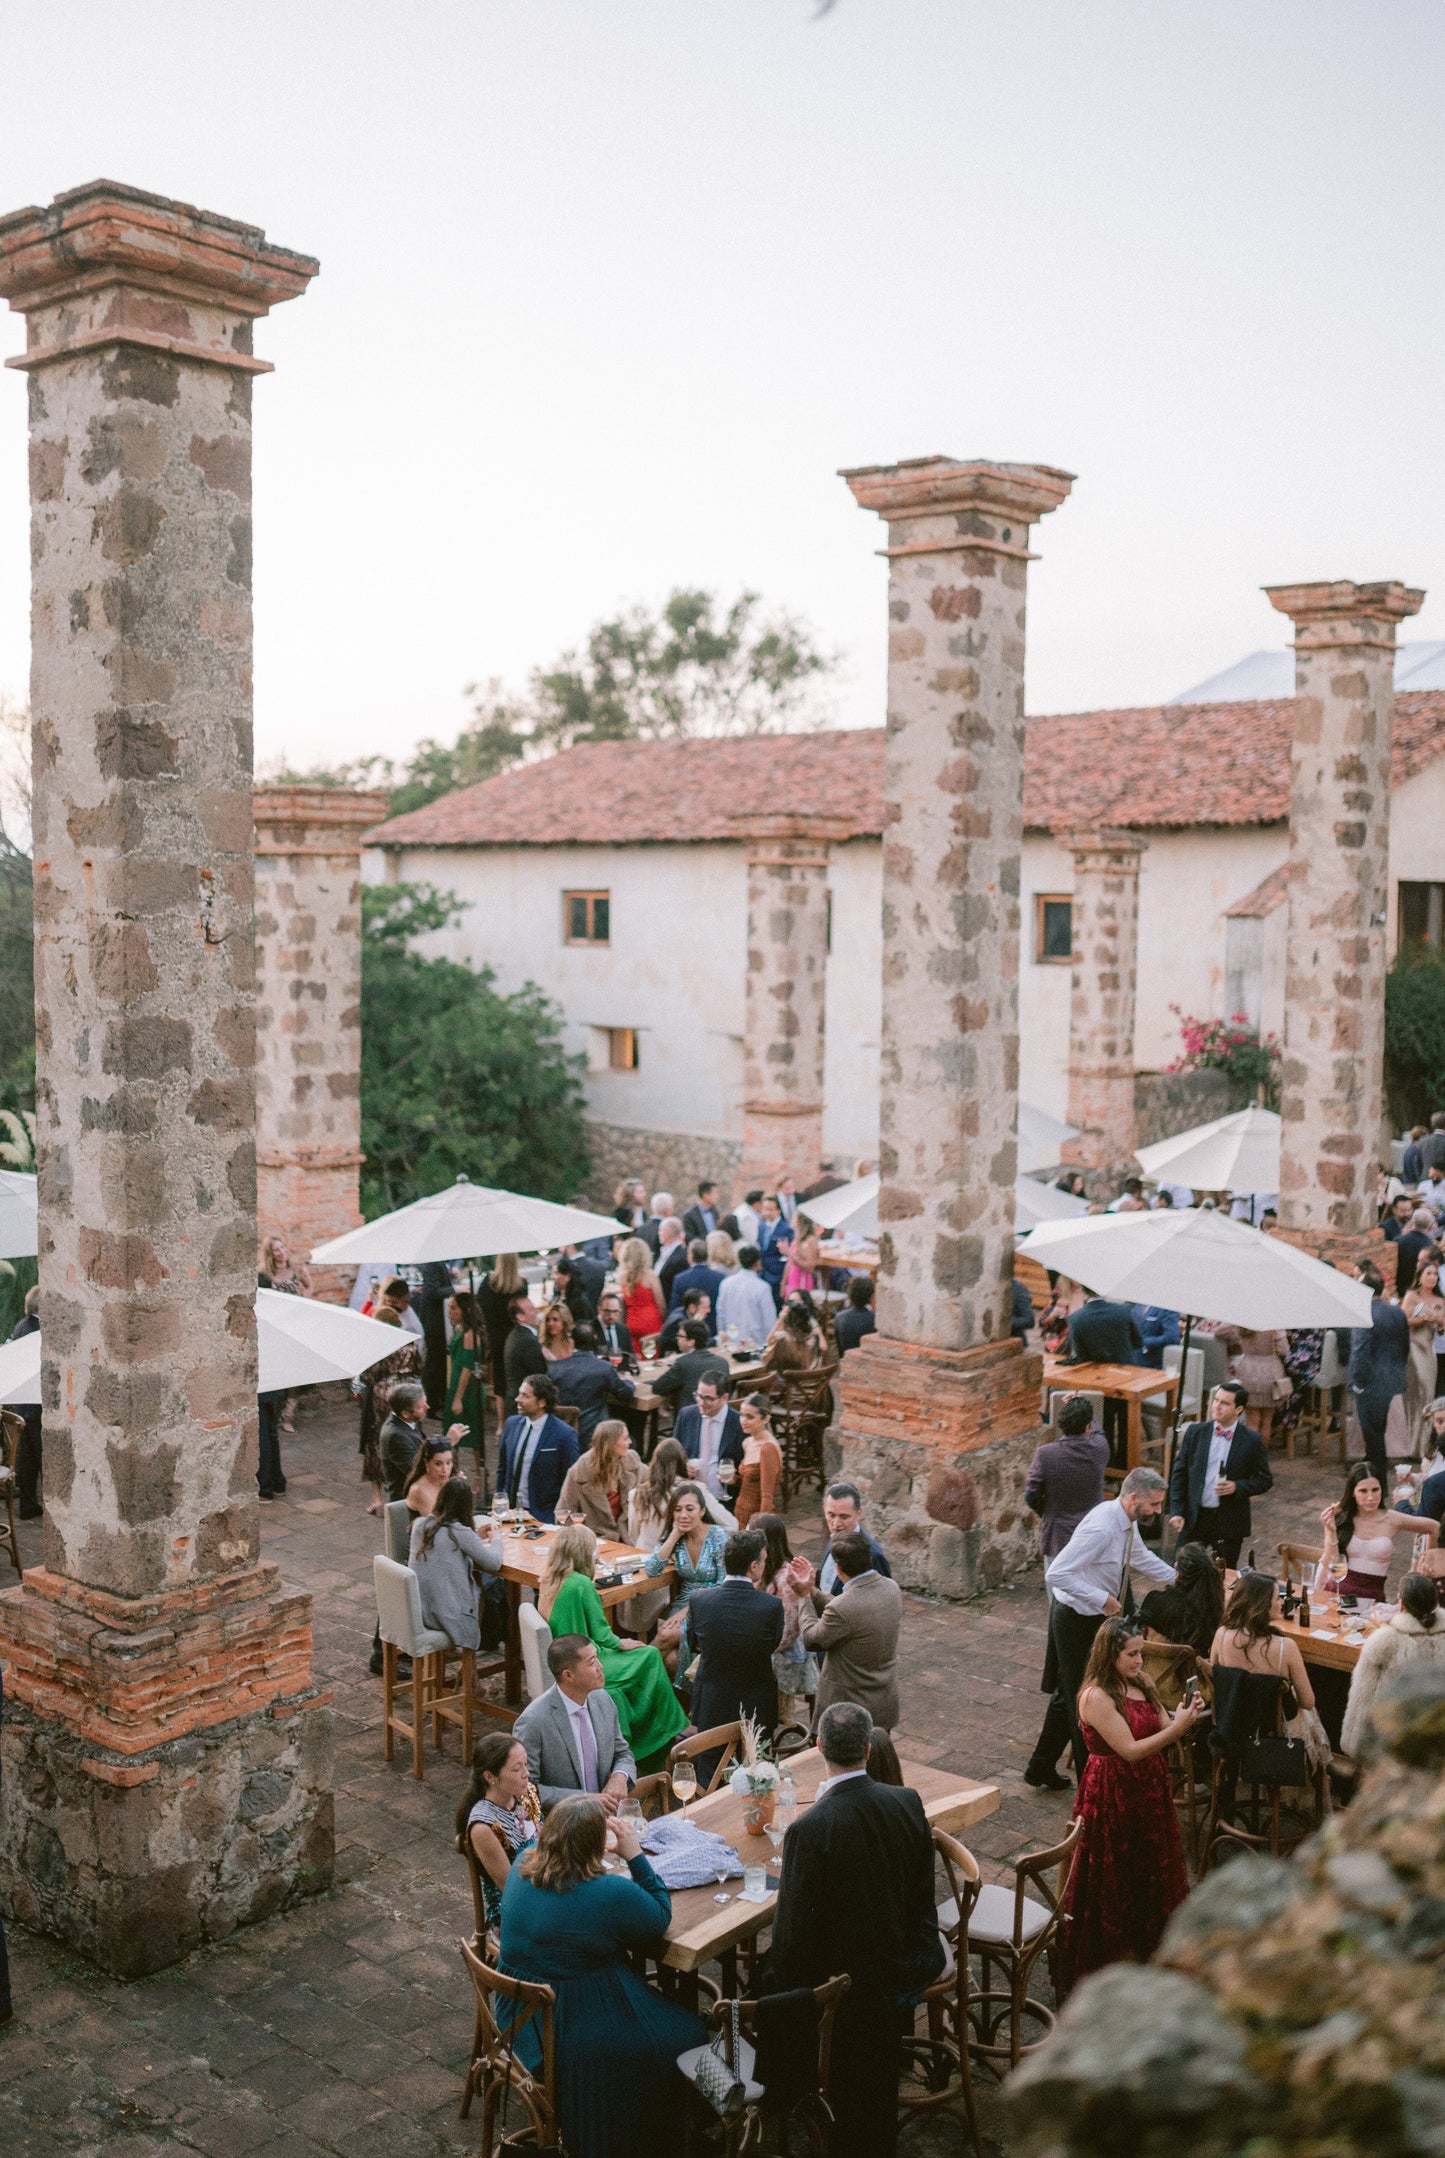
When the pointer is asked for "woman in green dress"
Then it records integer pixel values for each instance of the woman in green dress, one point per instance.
(648, 1710)
(466, 1396)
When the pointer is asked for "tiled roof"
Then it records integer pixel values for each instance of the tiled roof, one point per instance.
(1266, 896)
(1150, 768)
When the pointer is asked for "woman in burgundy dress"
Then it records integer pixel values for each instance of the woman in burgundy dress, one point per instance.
(1128, 1873)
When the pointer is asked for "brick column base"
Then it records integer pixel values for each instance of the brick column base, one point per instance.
(939, 1443)
(1340, 1247)
(167, 1763)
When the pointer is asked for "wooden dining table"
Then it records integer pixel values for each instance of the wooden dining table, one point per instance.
(704, 1930)
(524, 1561)
(1131, 1383)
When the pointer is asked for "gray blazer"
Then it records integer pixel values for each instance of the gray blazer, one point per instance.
(545, 1729)
(449, 1576)
(858, 1632)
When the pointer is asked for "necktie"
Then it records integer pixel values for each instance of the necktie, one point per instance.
(1126, 1586)
(518, 1458)
(587, 1747)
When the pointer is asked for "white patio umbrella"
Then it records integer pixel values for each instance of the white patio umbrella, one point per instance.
(1199, 1262)
(19, 1215)
(463, 1222)
(299, 1342)
(1041, 1138)
(1234, 1153)
(853, 1208)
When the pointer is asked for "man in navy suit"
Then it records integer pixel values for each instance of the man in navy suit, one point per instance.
(774, 1241)
(1219, 1467)
(537, 1450)
(697, 1274)
(710, 1432)
(735, 1629)
(1379, 1361)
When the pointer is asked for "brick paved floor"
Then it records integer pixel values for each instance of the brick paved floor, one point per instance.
(342, 2027)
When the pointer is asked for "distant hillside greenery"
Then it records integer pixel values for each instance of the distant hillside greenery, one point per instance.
(693, 667)
(456, 1079)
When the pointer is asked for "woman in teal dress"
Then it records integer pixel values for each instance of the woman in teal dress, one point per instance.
(648, 1710)
(466, 1398)
(568, 1925)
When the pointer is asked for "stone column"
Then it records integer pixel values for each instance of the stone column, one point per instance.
(1101, 1003)
(308, 1015)
(1334, 1001)
(166, 1754)
(786, 984)
(937, 1418)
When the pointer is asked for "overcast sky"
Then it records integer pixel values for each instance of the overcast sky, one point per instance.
(610, 288)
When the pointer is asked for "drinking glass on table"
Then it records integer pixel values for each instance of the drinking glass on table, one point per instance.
(684, 1782)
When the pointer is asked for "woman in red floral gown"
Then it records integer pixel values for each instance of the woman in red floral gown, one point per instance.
(1129, 1873)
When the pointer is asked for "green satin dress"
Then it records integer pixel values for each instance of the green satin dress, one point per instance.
(648, 1710)
(462, 1361)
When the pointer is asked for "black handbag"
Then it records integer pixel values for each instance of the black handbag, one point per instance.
(1275, 1760)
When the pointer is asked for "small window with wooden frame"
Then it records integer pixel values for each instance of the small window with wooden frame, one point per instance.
(586, 917)
(1053, 929)
(622, 1053)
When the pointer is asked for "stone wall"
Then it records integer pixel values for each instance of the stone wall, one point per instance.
(1293, 2010)
(674, 1161)
(1169, 1102)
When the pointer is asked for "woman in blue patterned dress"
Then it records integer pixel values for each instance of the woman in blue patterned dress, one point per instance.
(693, 1546)
(499, 1817)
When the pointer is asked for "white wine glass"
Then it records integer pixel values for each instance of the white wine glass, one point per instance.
(684, 1782)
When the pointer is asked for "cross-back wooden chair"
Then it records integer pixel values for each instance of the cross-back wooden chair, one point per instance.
(803, 1412)
(728, 1736)
(938, 2071)
(743, 2132)
(1011, 1930)
(494, 2069)
(1295, 1557)
(654, 1794)
(11, 1428)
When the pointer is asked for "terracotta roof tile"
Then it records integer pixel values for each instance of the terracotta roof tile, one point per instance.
(1150, 768)
(1270, 893)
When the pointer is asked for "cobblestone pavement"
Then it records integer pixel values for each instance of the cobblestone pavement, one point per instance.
(342, 2027)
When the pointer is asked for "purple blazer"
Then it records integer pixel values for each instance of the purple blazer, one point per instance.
(1065, 1479)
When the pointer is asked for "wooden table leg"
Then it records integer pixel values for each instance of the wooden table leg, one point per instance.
(1135, 1429)
(512, 1680)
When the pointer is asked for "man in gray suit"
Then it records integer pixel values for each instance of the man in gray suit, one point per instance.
(857, 1633)
(573, 1739)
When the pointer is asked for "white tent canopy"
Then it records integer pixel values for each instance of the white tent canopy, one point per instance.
(852, 1210)
(19, 1215)
(299, 1342)
(1041, 1138)
(465, 1221)
(1199, 1262)
(1234, 1153)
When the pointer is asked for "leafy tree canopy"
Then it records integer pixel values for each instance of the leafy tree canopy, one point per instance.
(1415, 1035)
(693, 667)
(455, 1079)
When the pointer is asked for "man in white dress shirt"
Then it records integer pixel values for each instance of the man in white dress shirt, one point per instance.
(1090, 1580)
(745, 1300)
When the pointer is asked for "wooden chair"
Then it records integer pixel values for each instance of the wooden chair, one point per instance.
(11, 1428)
(654, 1794)
(1327, 1414)
(1035, 1279)
(398, 1612)
(568, 1414)
(799, 1420)
(729, 1736)
(494, 2069)
(1275, 1827)
(1013, 1930)
(744, 2131)
(942, 2058)
(1294, 1558)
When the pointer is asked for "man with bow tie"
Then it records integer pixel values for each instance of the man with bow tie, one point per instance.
(1219, 1466)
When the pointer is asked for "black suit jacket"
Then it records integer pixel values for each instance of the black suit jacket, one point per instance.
(851, 1324)
(1380, 1355)
(398, 1444)
(521, 1358)
(671, 1266)
(1246, 1466)
(735, 1627)
(1105, 1333)
(591, 1386)
(856, 1896)
(616, 1341)
(694, 1225)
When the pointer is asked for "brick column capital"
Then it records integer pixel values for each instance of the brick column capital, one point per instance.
(944, 505)
(315, 820)
(111, 265)
(1122, 849)
(1342, 613)
(788, 835)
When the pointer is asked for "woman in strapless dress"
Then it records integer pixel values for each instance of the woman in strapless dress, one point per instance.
(1361, 1530)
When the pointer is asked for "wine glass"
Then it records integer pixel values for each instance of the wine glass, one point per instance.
(684, 1782)
(776, 1827)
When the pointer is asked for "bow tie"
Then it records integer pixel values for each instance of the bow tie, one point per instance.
(1224, 1431)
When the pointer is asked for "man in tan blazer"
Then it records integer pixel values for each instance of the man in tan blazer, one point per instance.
(857, 1632)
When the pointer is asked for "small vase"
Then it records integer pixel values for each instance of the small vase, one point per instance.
(758, 1811)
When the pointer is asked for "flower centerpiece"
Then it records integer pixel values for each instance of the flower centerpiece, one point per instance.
(756, 1778)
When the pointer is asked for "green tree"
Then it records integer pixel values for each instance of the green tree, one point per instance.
(455, 1078)
(1415, 1035)
(17, 911)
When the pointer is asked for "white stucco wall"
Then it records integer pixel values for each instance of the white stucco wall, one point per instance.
(1417, 838)
(853, 1018)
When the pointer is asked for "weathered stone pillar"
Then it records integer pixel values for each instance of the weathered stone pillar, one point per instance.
(786, 982)
(1332, 1073)
(167, 1758)
(1101, 1004)
(938, 1417)
(308, 1015)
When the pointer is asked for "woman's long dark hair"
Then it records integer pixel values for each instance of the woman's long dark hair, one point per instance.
(1347, 1512)
(682, 1491)
(773, 1529)
(489, 1757)
(425, 1454)
(1110, 1643)
(883, 1763)
(1201, 1595)
(669, 1466)
(1250, 1610)
(454, 1508)
(470, 1313)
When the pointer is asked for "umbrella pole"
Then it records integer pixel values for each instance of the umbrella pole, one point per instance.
(1179, 1397)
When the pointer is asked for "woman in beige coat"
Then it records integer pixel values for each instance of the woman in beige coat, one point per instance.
(1416, 1634)
(600, 1482)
